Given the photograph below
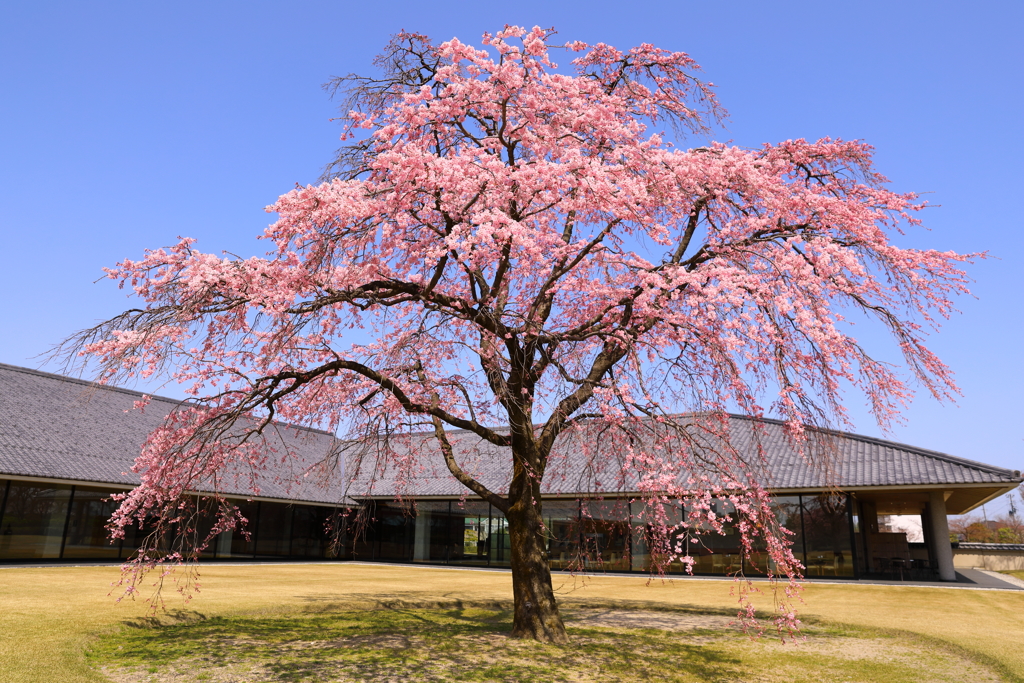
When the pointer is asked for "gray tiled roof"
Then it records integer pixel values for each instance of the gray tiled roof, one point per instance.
(855, 461)
(58, 427)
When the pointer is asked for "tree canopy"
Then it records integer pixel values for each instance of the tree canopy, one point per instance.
(520, 250)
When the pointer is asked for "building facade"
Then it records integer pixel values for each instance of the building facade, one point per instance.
(67, 445)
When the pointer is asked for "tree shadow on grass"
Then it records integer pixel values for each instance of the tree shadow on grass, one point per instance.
(165, 618)
(398, 600)
(464, 642)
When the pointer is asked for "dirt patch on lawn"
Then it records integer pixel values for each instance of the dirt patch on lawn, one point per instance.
(663, 621)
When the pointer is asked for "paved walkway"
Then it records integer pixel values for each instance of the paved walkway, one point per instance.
(1003, 578)
(965, 578)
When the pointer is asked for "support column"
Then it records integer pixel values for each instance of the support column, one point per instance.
(421, 539)
(940, 534)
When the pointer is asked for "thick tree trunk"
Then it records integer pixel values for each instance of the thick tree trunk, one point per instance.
(536, 612)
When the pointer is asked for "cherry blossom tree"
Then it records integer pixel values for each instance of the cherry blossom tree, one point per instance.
(518, 249)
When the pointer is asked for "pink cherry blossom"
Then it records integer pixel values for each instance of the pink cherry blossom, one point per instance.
(529, 251)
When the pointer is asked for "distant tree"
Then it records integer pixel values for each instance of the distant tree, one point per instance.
(958, 528)
(1007, 534)
(511, 249)
(979, 532)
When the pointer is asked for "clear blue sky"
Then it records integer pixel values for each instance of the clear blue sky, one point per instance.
(123, 125)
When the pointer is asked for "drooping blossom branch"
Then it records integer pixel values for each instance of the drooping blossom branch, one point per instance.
(517, 250)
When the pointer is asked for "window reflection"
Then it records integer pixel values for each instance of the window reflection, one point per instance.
(312, 526)
(827, 536)
(650, 546)
(394, 529)
(51, 521)
(656, 537)
(500, 548)
(233, 543)
(716, 551)
(605, 534)
(34, 519)
(431, 531)
(470, 538)
(561, 519)
(787, 515)
(364, 533)
(87, 535)
(274, 530)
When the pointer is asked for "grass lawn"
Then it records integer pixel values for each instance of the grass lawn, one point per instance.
(470, 644)
(280, 621)
(1019, 575)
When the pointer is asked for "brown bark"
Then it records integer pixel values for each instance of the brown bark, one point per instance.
(535, 612)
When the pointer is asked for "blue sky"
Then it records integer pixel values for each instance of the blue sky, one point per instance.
(124, 125)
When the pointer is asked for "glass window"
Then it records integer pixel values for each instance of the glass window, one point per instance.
(335, 537)
(430, 533)
(202, 525)
(649, 545)
(135, 534)
(311, 530)
(340, 535)
(470, 532)
(499, 546)
(562, 519)
(233, 543)
(34, 518)
(87, 526)
(333, 532)
(274, 531)
(395, 528)
(605, 534)
(363, 529)
(827, 535)
(716, 551)
(196, 520)
(787, 514)
(4, 486)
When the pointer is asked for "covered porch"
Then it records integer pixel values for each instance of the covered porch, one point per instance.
(904, 533)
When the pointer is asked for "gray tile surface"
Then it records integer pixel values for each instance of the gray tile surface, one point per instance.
(771, 460)
(63, 428)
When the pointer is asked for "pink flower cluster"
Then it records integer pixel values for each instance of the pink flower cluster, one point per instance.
(519, 251)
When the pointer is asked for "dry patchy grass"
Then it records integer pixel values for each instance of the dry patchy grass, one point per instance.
(471, 644)
(51, 616)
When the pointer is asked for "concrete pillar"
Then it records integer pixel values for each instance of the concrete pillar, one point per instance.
(224, 543)
(940, 533)
(421, 541)
(639, 555)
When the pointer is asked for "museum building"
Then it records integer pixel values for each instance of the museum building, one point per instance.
(66, 445)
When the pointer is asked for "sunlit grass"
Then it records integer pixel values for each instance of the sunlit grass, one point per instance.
(49, 617)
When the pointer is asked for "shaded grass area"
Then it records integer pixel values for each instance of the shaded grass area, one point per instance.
(1017, 574)
(471, 644)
